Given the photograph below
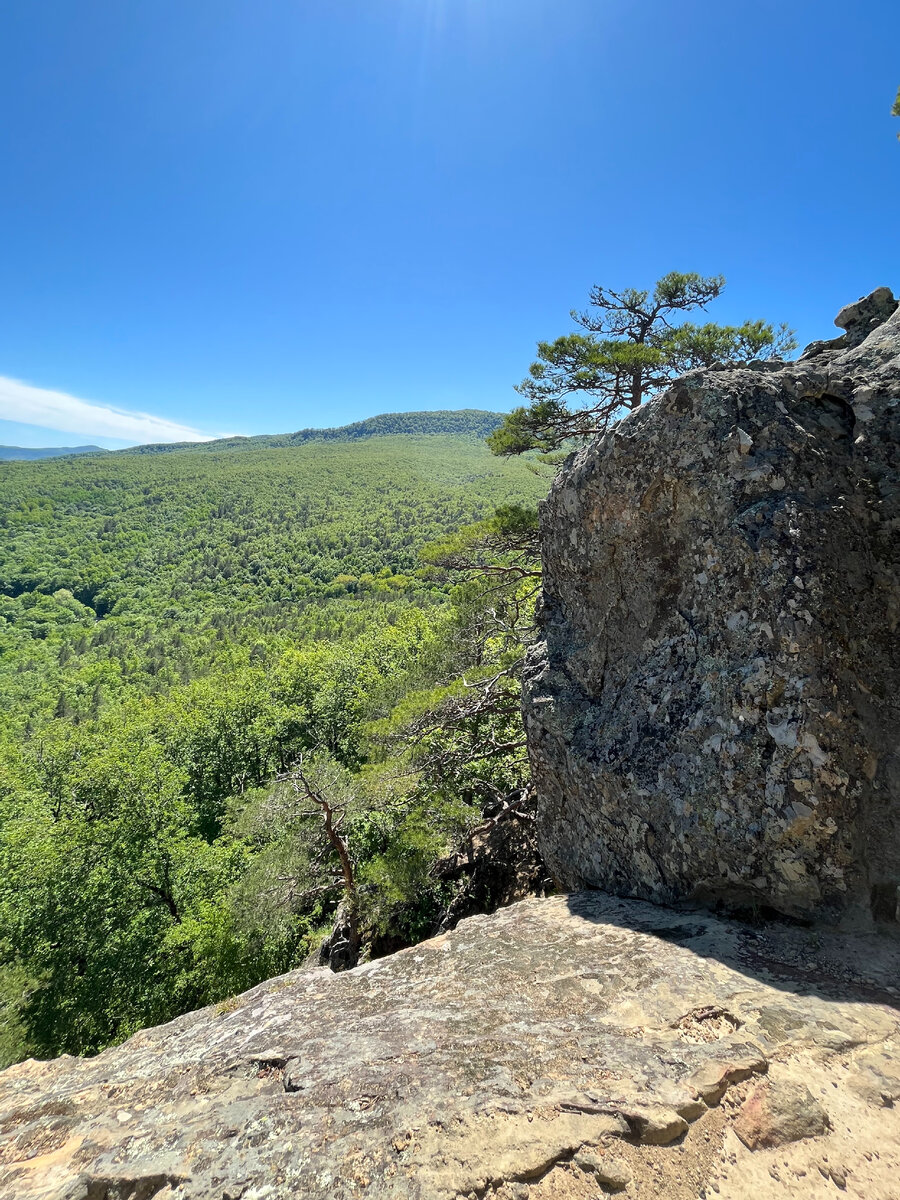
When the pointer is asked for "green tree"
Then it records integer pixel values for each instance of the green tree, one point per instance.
(895, 109)
(177, 629)
(634, 343)
(109, 898)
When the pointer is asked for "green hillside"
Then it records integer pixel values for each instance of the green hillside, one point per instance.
(175, 630)
(472, 422)
(151, 558)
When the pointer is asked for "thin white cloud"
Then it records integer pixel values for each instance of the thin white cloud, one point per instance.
(57, 410)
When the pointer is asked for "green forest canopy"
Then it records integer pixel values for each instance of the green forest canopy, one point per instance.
(175, 630)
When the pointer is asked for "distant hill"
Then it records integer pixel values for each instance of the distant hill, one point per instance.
(28, 452)
(465, 422)
(472, 422)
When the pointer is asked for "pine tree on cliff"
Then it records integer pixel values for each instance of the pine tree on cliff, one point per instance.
(635, 343)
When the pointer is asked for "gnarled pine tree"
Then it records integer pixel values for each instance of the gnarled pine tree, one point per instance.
(635, 343)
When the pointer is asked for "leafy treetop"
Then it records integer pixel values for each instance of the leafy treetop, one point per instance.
(188, 640)
(634, 344)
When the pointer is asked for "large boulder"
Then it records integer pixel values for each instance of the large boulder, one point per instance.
(713, 713)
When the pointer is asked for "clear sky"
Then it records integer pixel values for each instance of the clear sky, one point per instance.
(245, 216)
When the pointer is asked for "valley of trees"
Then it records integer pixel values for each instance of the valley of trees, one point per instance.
(179, 632)
(256, 694)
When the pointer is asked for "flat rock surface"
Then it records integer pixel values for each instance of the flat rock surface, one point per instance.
(564, 1047)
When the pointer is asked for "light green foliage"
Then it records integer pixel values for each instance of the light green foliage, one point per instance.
(689, 346)
(102, 862)
(153, 570)
(15, 987)
(635, 343)
(176, 630)
(461, 743)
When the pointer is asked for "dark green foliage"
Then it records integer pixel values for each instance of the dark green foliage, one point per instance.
(636, 342)
(178, 630)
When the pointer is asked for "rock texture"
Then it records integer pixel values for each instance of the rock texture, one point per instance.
(780, 1111)
(714, 711)
(560, 1049)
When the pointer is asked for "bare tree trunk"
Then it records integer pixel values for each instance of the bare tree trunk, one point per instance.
(637, 389)
(302, 786)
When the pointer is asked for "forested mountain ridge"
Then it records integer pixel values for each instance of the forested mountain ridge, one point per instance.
(28, 453)
(177, 630)
(472, 422)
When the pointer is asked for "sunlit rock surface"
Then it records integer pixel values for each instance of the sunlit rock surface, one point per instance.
(560, 1048)
(714, 710)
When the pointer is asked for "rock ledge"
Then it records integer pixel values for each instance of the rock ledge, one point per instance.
(556, 1047)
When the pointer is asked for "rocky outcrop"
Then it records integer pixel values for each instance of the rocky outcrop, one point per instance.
(714, 710)
(713, 715)
(560, 1049)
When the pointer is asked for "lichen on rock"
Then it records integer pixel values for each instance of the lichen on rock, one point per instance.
(556, 1047)
(713, 711)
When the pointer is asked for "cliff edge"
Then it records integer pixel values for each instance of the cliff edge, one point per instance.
(560, 1049)
(713, 713)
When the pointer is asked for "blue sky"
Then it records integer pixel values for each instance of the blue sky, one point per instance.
(237, 216)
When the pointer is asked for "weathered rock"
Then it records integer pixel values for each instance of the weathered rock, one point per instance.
(780, 1111)
(505, 1059)
(857, 320)
(714, 1078)
(713, 713)
(611, 1171)
(654, 1124)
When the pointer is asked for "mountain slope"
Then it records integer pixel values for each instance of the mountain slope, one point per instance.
(178, 630)
(167, 551)
(28, 453)
(467, 422)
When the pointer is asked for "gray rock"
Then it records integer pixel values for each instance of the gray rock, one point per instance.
(612, 1172)
(712, 713)
(859, 319)
(552, 1035)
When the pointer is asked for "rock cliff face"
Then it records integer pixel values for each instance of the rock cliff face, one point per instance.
(714, 711)
(560, 1049)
